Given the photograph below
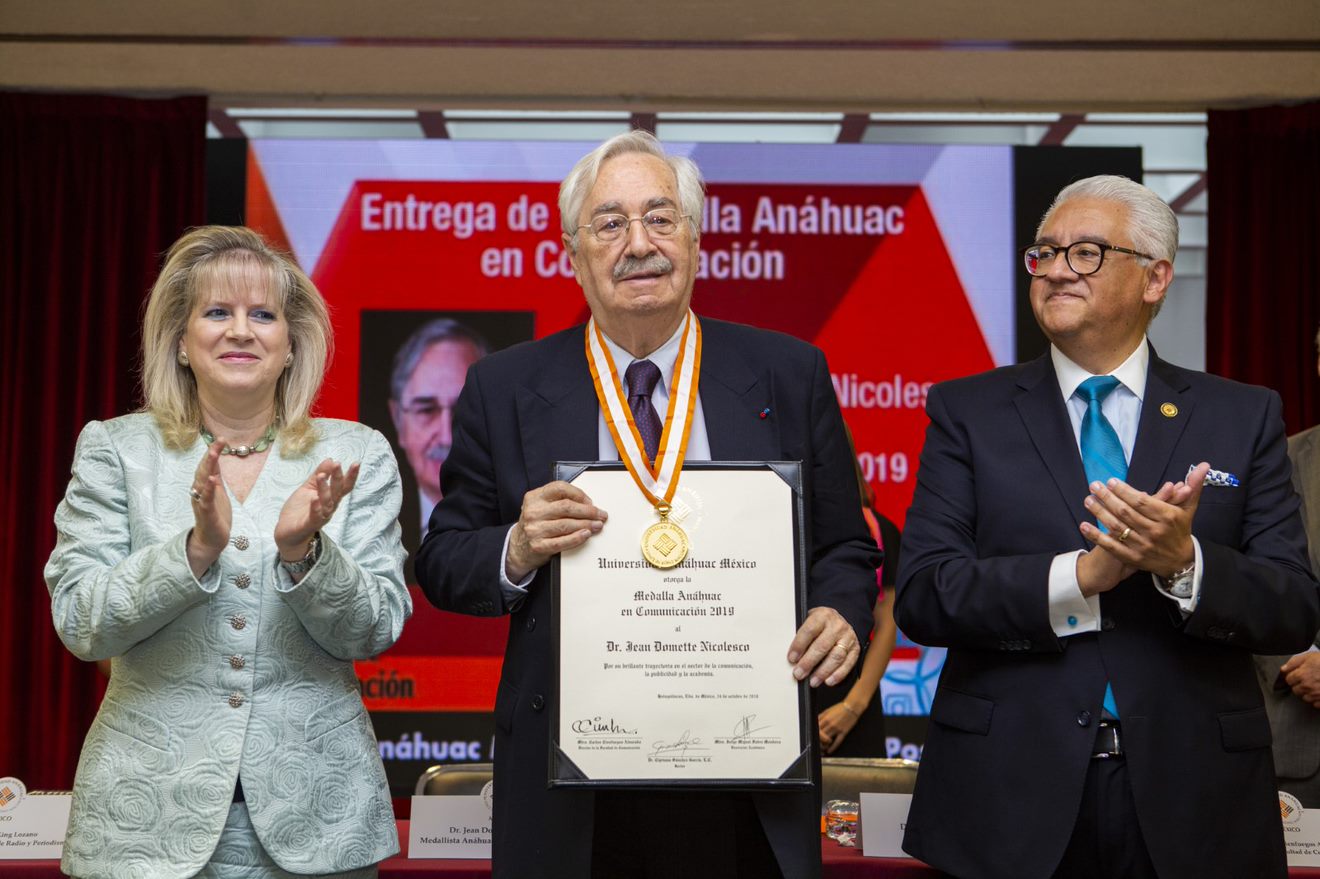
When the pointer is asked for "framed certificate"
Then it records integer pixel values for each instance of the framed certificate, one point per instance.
(679, 676)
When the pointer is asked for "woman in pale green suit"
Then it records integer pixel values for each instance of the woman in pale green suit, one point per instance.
(233, 556)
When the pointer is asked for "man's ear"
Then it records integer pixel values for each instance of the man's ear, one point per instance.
(1158, 279)
(573, 256)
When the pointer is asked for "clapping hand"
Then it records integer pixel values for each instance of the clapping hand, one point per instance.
(311, 506)
(212, 514)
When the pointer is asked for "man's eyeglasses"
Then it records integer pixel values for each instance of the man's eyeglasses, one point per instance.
(658, 223)
(424, 413)
(1083, 257)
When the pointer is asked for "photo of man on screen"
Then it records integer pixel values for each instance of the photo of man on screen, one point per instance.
(428, 374)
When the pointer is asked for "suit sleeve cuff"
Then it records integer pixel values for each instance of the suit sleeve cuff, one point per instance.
(514, 593)
(1071, 613)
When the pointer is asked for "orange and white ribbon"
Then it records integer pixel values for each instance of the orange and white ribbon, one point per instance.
(657, 479)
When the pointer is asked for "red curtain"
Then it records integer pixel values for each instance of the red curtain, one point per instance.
(93, 190)
(1263, 276)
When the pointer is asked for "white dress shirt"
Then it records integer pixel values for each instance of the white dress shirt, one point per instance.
(1071, 613)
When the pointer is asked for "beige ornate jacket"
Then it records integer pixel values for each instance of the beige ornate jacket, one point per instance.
(242, 670)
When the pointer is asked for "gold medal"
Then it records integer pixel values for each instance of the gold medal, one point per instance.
(664, 544)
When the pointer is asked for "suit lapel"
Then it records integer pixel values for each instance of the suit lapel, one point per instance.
(557, 411)
(733, 395)
(1041, 407)
(1166, 408)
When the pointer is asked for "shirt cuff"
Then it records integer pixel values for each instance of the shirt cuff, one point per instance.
(514, 593)
(1071, 613)
(1186, 605)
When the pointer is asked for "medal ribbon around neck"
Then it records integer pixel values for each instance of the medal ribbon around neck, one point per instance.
(658, 480)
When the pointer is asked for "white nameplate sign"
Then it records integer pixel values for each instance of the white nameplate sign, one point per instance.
(883, 818)
(450, 827)
(1301, 831)
(31, 826)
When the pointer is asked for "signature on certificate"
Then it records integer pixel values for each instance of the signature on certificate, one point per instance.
(686, 742)
(600, 726)
(744, 727)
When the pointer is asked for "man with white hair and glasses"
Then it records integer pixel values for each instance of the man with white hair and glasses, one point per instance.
(632, 225)
(1102, 539)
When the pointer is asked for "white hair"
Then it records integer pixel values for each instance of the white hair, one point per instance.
(1152, 225)
(577, 185)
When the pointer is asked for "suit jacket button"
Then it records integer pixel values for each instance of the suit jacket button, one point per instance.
(1108, 625)
(242, 581)
(235, 700)
(538, 702)
(1083, 718)
(238, 621)
(237, 661)
(240, 542)
(531, 624)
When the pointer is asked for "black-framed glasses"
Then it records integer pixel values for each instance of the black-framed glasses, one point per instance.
(658, 223)
(1083, 257)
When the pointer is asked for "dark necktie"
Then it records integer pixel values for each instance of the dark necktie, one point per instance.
(642, 376)
(1102, 456)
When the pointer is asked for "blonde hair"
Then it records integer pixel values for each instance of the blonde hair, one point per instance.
(199, 261)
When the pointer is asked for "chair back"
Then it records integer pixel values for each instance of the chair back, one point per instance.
(846, 778)
(455, 779)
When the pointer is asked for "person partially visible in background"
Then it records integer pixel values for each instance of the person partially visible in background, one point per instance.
(850, 714)
(1291, 683)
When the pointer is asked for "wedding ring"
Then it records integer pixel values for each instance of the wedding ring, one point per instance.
(1124, 536)
(194, 493)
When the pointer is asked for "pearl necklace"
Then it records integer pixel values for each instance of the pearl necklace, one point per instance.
(243, 451)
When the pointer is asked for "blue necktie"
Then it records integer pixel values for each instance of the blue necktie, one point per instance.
(1102, 456)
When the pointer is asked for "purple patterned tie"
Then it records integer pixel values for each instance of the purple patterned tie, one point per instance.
(641, 377)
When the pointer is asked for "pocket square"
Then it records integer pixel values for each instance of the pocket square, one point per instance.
(1218, 477)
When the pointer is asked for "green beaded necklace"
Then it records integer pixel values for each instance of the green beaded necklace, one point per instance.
(243, 451)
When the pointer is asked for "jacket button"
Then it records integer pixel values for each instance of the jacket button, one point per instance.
(242, 581)
(538, 702)
(235, 700)
(1083, 718)
(240, 542)
(531, 624)
(238, 621)
(1108, 625)
(237, 661)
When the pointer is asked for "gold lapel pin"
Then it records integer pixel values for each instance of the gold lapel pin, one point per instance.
(1168, 410)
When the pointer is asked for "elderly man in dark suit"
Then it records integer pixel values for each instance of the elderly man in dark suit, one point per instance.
(631, 223)
(1098, 714)
(1291, 683)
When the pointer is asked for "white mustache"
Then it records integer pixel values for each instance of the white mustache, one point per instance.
(655, 264)
(437, 454)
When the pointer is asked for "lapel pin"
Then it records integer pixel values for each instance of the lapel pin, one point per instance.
(1168, 410)
(765, 412)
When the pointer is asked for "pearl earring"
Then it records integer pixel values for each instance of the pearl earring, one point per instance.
(183, 357)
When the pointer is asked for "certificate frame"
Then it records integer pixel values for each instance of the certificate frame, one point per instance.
(796, 768)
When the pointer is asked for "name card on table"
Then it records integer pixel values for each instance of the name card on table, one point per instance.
(884, 817)
(32, 826)
(1301, 831)
(450, 827)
